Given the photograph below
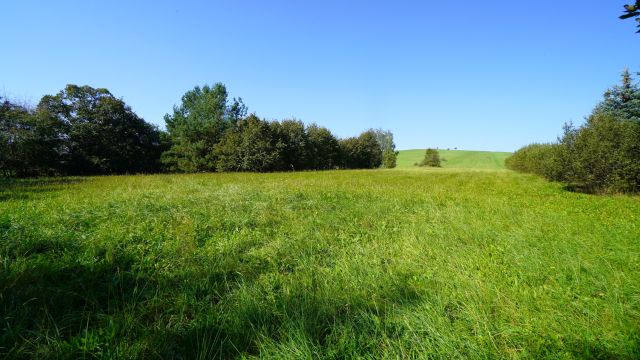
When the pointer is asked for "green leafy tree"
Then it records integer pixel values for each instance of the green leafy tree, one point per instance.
(323, 150)
(12, 118)
(431, 158)
(362, 152)
(31, 143)
(389, 159)
(250, 146)
(197, 125)
(387, 147)
(293, 142)
(102, 134)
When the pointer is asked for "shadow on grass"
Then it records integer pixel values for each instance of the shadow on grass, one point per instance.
(348, 323)
(580, 188)
(58, 299)
(25, 189)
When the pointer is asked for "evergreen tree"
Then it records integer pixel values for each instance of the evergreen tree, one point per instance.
(621, 101)
(197, 125)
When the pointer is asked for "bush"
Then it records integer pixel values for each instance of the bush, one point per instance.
(431, 158)
(534, 159)
(389, 159)
(603, 155)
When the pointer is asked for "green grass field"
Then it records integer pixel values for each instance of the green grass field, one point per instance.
(456, 159)
(391, 264)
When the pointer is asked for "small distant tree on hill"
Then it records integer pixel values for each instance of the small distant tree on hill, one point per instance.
(431, 158)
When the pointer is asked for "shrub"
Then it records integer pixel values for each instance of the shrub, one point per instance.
(534, 159)
(389, 159)
(431, 158)
(605, 155)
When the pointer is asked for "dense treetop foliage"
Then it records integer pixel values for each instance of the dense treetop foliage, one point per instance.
(101, 134)
(79, 131)
(86, 131)
(603, 155)
(197, 125)
(30, 143)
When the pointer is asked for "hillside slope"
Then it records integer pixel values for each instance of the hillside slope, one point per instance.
(458, 159)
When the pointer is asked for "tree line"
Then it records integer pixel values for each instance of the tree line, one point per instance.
(88, 131)
(603, 155)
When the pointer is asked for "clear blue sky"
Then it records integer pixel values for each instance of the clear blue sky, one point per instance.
(493, 76)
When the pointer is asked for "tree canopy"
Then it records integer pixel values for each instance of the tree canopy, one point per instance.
(603, 155)
(79, 131)
(83, 130)
(101, 134)
(197, 125)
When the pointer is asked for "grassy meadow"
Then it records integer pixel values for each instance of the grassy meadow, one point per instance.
(456, 159)
(425, 263)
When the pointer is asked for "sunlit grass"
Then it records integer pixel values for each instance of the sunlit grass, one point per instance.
(435, 263)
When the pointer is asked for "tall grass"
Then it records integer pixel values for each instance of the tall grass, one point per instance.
(336, 264)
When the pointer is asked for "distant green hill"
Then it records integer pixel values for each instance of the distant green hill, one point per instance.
(456, 159)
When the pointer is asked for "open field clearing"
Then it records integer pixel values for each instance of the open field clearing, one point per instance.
(438, 263)
(456, 159)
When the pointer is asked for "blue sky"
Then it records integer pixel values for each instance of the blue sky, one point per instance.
(492, 77)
